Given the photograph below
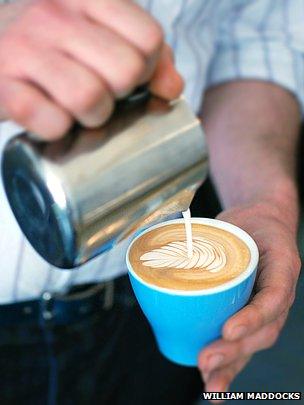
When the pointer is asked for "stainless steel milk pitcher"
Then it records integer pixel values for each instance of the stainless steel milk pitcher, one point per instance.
(78, 197)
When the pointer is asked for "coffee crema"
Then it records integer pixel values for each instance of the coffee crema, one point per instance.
(160, 257)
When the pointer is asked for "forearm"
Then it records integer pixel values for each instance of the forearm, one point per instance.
(252, 131)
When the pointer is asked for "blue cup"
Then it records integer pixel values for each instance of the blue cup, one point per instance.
(184, 322)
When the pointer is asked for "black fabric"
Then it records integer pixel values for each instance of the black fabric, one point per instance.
(206, 202)
(57, 308)
(108, 358)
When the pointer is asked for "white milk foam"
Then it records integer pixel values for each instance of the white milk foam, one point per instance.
(197, 252)
(207, 254)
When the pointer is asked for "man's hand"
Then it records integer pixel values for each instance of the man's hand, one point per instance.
(69, 60)
(257, 325)
(252, 129)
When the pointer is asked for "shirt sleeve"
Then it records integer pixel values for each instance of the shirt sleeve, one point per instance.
(264, 40)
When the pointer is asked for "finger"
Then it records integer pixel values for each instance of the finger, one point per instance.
(73, 86)
(220, 380)
(166, 81)
(275, 287)
(29, 107)
(129, 21)
(120, 65)
(222, 352)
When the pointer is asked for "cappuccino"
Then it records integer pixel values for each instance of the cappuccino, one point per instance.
(160, 257)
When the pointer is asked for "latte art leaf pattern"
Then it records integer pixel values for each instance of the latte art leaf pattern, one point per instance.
(207, 254)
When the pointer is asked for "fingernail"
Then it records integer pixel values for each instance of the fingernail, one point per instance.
(214, 361)
(238, 332)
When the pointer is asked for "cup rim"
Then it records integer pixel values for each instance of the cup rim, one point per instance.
(244, 236)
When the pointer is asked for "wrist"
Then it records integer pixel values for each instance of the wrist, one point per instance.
(279, 202)
(284, 200)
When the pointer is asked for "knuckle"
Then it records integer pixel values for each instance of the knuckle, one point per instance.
(48, 9)
(39, 15)
(291, 257)
(294, 270)
(277, 301)
(86, 98)
(14, 47)
(296, 262)
(282, 319)
(156, 38)
(97, 117)
(52, 123)
(272, 337)
(131, 75)
(64, 2)
(136, 69)
(21, 109)
(59, 132)
(292, 297)
(258, 317)
(282, 298)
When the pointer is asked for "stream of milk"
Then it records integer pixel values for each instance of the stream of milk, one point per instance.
(188, 227)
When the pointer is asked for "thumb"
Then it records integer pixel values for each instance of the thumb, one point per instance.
(166, 82)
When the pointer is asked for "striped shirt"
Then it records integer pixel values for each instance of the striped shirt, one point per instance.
(214, 42)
